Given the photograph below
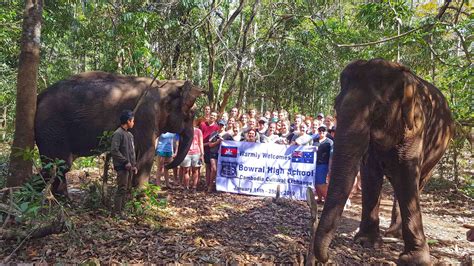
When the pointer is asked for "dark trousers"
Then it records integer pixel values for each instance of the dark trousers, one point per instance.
(124, 185)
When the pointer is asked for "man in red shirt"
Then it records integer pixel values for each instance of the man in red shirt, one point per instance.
(207, 128)
(207, 114)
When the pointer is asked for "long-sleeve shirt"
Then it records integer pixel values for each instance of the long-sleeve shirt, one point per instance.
(122, 149)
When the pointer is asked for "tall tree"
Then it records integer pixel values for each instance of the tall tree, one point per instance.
(21, 167)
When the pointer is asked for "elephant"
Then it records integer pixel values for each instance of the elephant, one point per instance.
(73, 114)
(391, 123)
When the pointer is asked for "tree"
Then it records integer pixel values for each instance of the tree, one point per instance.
(21, 167)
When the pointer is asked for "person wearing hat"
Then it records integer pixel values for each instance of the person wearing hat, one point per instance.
(122, 150)
(323, 161)
(262, 126)
(320, 118)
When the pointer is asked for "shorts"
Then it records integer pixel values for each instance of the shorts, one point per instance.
(321, 173)
(193, 160)
(166, 154)
(208, 156)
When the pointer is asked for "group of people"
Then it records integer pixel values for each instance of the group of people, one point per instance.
(270, 127)
(210, 130)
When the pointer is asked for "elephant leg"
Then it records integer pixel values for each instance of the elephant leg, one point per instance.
(59, 183)
(144, 164)
(406, 185)
(395, 228)
(372, 179)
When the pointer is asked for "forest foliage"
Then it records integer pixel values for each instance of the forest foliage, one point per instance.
(250, 53)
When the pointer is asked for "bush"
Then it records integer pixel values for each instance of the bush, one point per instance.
(145, 201)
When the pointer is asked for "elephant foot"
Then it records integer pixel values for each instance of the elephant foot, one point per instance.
(415, 257)
(368, 240)
(395, 231)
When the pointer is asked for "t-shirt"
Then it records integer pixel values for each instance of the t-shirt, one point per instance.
(194, 149)
(304, 139)
(324, 152)
(271, 139)
(214, 137)
(207, 130)
(165, 142)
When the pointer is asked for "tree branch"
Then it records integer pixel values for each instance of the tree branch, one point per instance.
(438, 57)
(232, 17)
(456, 18)
(379, 41)
(231, 88)
(441, 12)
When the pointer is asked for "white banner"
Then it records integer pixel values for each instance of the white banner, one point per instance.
(258, 168)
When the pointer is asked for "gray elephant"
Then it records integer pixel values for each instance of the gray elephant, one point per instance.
(392, 123)
(72, 114)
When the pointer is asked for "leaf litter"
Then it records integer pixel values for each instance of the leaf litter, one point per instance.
(230, 228)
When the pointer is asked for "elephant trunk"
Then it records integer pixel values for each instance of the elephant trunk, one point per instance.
(185, 141)
(348, 151)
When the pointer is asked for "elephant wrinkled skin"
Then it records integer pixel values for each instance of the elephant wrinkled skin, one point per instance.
(74, 113)
(392, 123)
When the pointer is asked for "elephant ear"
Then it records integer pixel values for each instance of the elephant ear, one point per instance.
(411, 112)
(189, 94)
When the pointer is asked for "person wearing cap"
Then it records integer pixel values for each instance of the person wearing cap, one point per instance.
(323, 162)
(262, 126)
(122, 150)
(320, 117)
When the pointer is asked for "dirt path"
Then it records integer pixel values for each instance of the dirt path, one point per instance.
(229, 228)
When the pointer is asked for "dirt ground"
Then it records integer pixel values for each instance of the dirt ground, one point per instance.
(229, 228)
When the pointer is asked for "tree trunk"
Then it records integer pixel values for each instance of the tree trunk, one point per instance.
(24, 139)
(240, 56)
(174, 63)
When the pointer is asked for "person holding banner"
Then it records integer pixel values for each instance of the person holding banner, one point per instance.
(323, 162)
(251, 135)
(214, 143)
(207, 129)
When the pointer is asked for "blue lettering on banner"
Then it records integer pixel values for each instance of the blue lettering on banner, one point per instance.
(261, 169)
